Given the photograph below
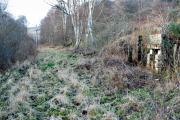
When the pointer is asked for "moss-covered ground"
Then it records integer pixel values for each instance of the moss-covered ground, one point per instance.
(51, 88)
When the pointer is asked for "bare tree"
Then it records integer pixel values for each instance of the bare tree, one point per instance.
(71, 8)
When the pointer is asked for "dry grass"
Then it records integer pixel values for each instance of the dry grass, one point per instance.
(118, 49)
(61, 85)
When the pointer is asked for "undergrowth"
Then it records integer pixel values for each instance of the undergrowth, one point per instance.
(56, 86)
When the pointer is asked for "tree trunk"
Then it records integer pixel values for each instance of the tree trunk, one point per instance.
(89, 35)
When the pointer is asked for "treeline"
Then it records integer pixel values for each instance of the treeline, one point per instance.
(53, 29)
(15, 44)
(97, 22)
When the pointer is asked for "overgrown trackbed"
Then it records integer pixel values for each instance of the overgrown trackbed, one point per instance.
(51, 87)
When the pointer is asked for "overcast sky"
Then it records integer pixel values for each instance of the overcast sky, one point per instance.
(34, 10)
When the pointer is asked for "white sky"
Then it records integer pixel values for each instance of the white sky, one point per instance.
(34, 10)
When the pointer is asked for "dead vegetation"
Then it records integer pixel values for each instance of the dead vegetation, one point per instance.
(63, 85)
(120, 49)
(114, 73)
(112, 69)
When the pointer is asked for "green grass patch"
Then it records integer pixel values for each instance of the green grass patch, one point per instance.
(46, 66)
(95, 114)
(141, 93)
(58, 112)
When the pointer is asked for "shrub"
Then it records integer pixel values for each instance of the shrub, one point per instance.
(15, 44)
(173, 29)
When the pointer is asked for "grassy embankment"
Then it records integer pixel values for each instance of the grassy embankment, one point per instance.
(53, 87)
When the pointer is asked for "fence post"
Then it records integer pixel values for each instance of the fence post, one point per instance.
(140, 39)
(130, 52)
(163, 49)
